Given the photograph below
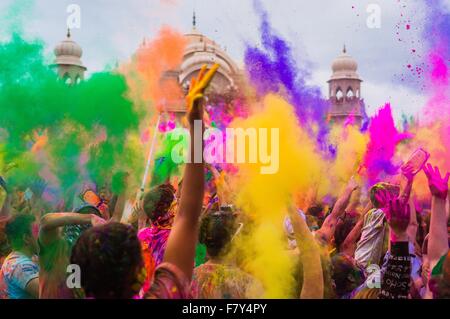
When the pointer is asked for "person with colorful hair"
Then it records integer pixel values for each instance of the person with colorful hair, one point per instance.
(159, 207)
(219, 277)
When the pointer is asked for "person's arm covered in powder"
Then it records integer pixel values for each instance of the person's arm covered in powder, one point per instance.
(325, 233)
(349, 244)
(313, 285)
(48, 230)
(6, 208)
(438, 236)
(121, 201)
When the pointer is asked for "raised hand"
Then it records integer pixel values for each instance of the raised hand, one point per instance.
(398, 217)
(352, 184)
(408, 172)
(383, 197)
(196, 92)
(97, 221)
(438, 184)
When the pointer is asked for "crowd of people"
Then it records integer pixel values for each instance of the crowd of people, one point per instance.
(174, 246)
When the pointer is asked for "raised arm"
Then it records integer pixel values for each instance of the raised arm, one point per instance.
(313, 285)
(408, 173)
(349, 244)
(325, 233)
(5, 211)
(180, 249)
(119, 206)
(438, 237)
(50, 223)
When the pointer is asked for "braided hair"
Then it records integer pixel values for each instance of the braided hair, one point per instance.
(157, 204)
(110, 260)
(216, 231)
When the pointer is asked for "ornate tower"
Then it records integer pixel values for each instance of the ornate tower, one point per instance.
(68, 61)
(345, 91)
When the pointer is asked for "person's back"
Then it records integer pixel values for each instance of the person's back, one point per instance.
(159, 207)
(369, 249)
(153, 242)
(54, 259)
(219, 281)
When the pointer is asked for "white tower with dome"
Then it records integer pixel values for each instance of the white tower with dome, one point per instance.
(68, 62)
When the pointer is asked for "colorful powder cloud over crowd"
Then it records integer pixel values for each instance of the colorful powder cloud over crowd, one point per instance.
(88, 175)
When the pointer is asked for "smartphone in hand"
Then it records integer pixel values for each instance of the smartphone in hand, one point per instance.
(417, 160)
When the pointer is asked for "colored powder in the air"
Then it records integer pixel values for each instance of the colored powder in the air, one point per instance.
(147, 73)
(433, 128)
(165, 167)
(273, 69)
(264, 198)
(379, 162)
(351, 146)
(33, 100)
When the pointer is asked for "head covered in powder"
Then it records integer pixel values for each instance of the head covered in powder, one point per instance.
(217, 230)
(19, 231)
(157, 204)
(346, 275)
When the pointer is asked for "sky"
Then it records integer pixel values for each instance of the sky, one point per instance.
(111, 30)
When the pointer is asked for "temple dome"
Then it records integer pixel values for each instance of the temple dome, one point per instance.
(68, 52)
(344, 67)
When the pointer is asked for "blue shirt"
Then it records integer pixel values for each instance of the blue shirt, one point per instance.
(17, 271)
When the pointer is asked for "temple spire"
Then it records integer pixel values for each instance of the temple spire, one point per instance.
(344, 50)
(68, 33)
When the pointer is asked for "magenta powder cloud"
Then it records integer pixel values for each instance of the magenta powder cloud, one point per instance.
(384, 137)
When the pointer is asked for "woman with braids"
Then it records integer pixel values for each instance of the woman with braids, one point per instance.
(158, 206)
(218, 279)
(110, 260)
(110, 255)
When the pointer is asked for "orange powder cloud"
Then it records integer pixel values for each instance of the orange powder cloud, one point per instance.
(146, 74)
